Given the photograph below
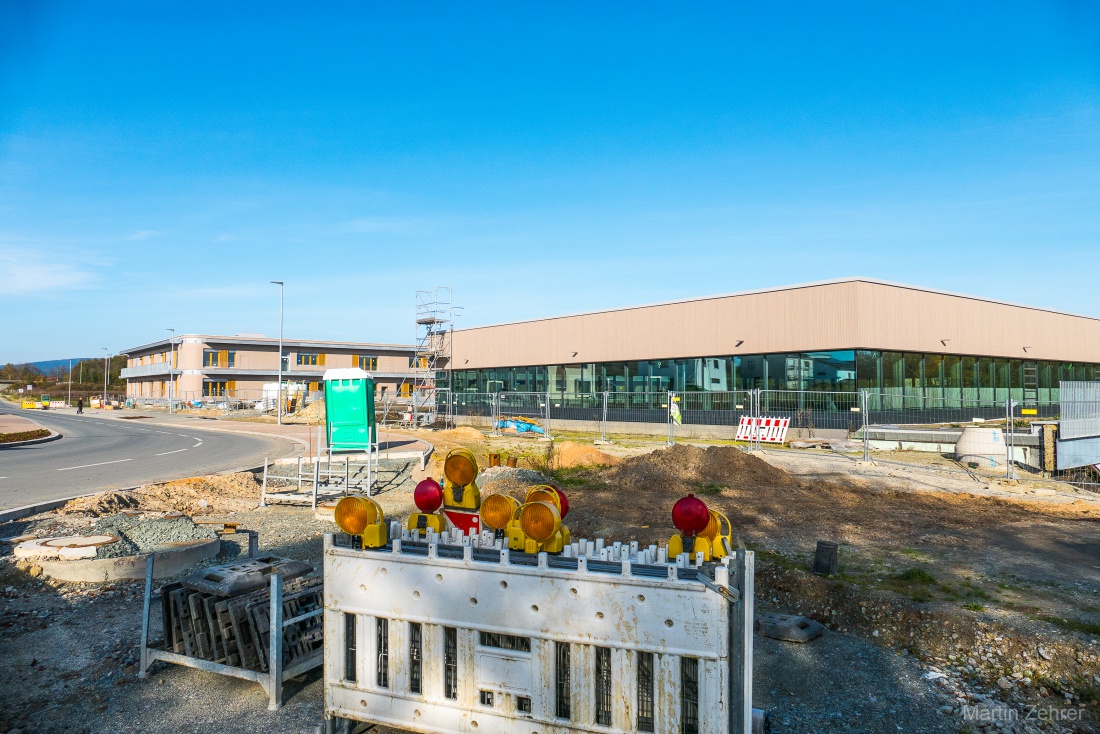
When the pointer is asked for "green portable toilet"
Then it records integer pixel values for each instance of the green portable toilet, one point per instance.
(349, 409)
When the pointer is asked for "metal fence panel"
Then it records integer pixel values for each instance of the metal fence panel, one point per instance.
(534, 406)
(1080, 410)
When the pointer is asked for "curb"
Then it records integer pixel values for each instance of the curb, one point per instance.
(54, 435)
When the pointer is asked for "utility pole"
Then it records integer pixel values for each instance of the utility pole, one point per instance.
(279, 389)
(106, 369)
(70, 400)
(171, 371)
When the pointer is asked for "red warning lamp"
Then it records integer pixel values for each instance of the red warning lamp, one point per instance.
(564, 502)
(428, 496)
(690, 515)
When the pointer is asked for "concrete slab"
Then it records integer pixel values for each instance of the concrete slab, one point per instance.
(171, 560)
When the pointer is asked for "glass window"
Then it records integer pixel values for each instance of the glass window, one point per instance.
(371, 363)
(1002, 379)
(933, 378)
(306, 359)
(867, 364)
(210, 358)
(752, 373)
(831, 371)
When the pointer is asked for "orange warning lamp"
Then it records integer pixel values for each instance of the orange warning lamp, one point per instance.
(497, 510)
(536, 526)
(363, 517)
(539, 520)
(428, 497)
(460, 491)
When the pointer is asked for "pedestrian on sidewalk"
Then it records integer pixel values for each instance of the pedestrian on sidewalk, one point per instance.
(79, 405)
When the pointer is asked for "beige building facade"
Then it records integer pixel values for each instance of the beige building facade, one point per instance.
(848, 334)
(196, 366)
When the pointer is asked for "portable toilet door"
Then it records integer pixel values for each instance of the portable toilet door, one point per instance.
(349, 409)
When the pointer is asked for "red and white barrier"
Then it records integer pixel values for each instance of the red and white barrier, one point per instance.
(771, 430)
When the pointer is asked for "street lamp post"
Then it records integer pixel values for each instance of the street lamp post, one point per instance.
(279, 387)
(106, 369)
(171, 372)
(70, 400)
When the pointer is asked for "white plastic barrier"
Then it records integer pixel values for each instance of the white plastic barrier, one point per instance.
(463, 636)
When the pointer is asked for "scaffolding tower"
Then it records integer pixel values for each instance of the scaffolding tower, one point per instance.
(423, 395)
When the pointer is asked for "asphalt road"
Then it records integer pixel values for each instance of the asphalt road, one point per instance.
(98, 454)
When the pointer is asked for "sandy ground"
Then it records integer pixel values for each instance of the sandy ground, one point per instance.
(994, 564)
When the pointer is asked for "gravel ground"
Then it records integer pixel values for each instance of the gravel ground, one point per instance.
(69, 674)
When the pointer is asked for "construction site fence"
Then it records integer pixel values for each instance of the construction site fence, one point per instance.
(808, 411)
(254, 401)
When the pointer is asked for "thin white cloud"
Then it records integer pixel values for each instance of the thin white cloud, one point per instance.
(23, 272)
(144, 234)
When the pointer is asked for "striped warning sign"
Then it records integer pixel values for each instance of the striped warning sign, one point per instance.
(771, 430)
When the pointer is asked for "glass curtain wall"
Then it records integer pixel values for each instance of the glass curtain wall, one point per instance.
(902, 379)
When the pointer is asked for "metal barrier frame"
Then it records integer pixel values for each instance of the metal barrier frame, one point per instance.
(271, 681)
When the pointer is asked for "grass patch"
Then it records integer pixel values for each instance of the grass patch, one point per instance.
(23, 435)
(974, 606)
(709, 488)
(578, 476)
(915, 576)
(1073, 625)
(912, 552)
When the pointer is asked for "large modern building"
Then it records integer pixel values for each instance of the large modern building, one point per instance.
(204, 365)
(842, 335)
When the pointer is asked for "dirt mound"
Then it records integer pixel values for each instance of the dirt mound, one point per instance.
(204, 495)
(99, 505)
(194, 496)
(313, 414)
(568, 454)
(715, 467)
(459, 436)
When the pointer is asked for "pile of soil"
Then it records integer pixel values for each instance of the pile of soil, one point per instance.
(461, 436)
(509, 481)
(716, 467)
(313, 414)
(568, 455)
(196, 496)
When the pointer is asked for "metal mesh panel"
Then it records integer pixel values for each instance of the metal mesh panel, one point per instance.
(450, 662)
(645, 691)
(416, 663)
(689, 695)
(349, 647)
(603, 686)
(506, 642)
(383, 630)
(562, 690)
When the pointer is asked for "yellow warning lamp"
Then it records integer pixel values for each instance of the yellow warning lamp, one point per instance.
(363, 517)
(460, 491)
(497, 511)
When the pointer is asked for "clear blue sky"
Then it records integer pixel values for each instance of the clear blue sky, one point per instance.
(161, 162)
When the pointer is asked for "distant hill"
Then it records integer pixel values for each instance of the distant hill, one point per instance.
(48, 364)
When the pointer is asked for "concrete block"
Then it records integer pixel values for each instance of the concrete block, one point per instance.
(789, 627)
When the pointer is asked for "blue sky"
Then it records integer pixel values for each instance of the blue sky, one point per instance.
(161, 162)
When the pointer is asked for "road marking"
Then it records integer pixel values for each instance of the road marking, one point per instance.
(116, 461)
(170, 452)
